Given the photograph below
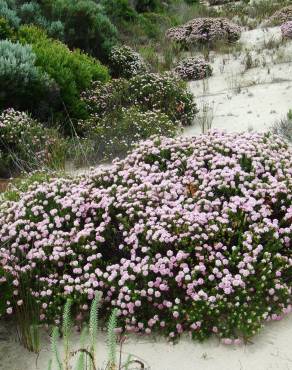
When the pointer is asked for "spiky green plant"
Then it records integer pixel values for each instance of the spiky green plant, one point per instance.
(50, 365)
(81, 362)
(87, 351)
(93, 325)
(54, 348)
(66, 329)
(112, 340)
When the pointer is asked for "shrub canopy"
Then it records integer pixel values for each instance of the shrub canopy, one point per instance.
(184, 235)
(73, 71)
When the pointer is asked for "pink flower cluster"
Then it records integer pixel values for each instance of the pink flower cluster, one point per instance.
(205, 30)
(281, 16)
(286, 29)
(186, 235)
(193, 69)
(24, 143)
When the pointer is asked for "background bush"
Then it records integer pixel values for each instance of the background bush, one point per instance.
(73, 71)
(23, 84)
(125, 62)
(6, 32)
(25, 145)
(193, 69)
(116, 132)
(148, 91)
(9, 14)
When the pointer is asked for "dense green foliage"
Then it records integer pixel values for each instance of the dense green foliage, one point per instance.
(118, 131)
(48, 66)
(25, 144)
(125, 62)
(149, 91)
(23, 85)
(72, 71)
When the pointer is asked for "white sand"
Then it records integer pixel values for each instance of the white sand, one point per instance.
(252, 99)
(271, 350)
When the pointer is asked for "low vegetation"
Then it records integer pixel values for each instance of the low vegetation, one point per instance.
(209, 258)
(180, 235)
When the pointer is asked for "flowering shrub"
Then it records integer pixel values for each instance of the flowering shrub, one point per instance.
(184, 235)
(193, 69)
(205, 30)
(149, 91)
(286, 29)
(117, 132)
(281, 16)
(24, 143)
(125, 62)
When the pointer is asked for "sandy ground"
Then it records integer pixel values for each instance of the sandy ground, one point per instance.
(271, 350)
(235, 99)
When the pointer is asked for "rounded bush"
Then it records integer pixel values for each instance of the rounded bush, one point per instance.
(9, 14)
(184, 235)
(147, 5)
(23, 84)
(119, 11)
(149, 91)
(280, 16)
(286, 29)
(193, 69)
(25, 144)
(73, 71)
(205, 30)
(125, 62)
(87, 27)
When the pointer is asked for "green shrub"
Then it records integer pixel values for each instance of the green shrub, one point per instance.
(149, 91)
(147, 5)
(125, 62)
(25, 144)
(81, 24)
(9, 14)
(29, 12)
(119, 11)
(73, 71)
(6, 31)
(23, 85)
(86, 26)
(118, 131)
(56, 30)
(191, 2)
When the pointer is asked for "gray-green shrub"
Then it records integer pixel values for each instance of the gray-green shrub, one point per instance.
(23, 85)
